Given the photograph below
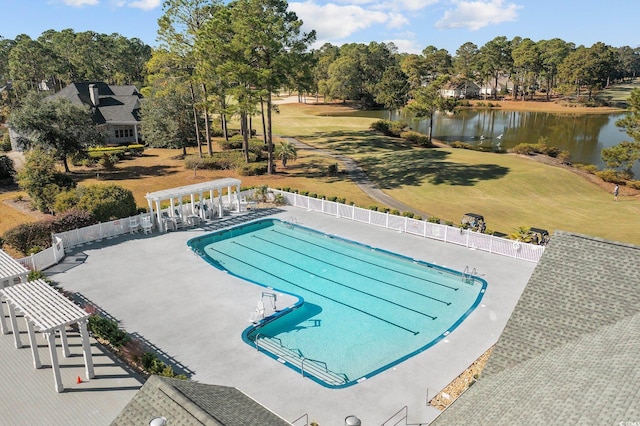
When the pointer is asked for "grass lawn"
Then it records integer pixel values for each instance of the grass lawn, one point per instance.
(510, 191)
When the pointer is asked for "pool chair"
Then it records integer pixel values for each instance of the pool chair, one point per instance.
(258, 314)
(134, 226)
(147, 225)
(167, 222)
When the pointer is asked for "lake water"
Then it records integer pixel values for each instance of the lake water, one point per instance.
(583, 135)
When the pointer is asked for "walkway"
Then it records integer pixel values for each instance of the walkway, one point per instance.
(359, 177)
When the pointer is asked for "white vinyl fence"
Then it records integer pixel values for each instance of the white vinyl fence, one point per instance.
(449, 234)
(45, 258)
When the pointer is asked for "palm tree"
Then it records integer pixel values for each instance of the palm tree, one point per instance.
(286, 151)
(521, 233)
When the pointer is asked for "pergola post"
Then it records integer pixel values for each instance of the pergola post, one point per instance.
(193, 203)
(14, 326)
(238, 198)
(86, 350)
(34, 345)
(159, 217)
(65, 342)
(3, 325)
(220, 208)
(172, 212)
(54, 360)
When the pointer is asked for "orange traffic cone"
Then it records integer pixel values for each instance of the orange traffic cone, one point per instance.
(78, 380)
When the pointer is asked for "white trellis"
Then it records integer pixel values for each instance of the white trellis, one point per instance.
(48, 311)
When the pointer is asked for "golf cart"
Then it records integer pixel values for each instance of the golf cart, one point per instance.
(473, 221)
(539, 236)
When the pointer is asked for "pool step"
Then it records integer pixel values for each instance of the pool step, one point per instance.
(311, 367)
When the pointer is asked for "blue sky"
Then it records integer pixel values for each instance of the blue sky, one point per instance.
(410, 24)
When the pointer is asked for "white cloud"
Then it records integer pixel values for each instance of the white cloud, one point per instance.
(413, 5)
(397, 20)
(144, 4)
(335, 22)
(406, 46)
(79, 3)
(474, 15)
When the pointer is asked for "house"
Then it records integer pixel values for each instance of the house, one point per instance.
(569, 352)
(116, 109)
(460, 90)
(165, 401)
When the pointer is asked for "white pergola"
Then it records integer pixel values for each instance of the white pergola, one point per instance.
(200, 189)
(10, 270)
(48, 311)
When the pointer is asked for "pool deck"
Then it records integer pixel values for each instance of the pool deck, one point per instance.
(195, 314)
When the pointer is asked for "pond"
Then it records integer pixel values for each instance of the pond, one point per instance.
(583, 135)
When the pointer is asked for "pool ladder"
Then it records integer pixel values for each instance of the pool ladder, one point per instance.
(468, 276)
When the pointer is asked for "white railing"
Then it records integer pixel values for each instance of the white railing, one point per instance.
(436, 231)
(45, 258)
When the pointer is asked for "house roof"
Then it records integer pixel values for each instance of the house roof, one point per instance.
(117, 104)
(569, 352)
(183, 402)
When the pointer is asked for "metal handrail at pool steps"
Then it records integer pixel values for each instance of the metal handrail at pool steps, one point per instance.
(294, 357)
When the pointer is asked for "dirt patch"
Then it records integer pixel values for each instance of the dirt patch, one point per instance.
(23, 205)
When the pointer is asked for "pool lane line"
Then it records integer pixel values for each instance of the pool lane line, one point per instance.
(336, 282)
(357, 273)
(365, 261)
(320, 294)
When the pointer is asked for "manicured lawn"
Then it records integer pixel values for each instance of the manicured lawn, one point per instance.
(510, 191)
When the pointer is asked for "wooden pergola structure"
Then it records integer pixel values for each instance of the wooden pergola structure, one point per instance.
(48, 311)
(10, 271)
(198, 189)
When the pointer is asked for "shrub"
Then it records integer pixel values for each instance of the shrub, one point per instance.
(5, 142)
(108, 330)
(389, 128)
(448, 222)
(341, 200)
(136, 150)
(408, 214)
(225, 160)
(7, 169)
(28, 235)
(332, 169)
(416, 138)
(589, 168)
(613, 176)
(252, 169)
(72, 219)
(38, 275)
(461, 145)
(433, 219)
(104, 202)
(332, 198)
(524, 149)
(635, 184)
(108, 161)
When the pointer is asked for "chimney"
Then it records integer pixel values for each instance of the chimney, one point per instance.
(93, 93)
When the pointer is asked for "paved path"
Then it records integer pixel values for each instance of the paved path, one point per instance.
(359, 178)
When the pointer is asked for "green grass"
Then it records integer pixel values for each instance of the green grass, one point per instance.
(509, 190)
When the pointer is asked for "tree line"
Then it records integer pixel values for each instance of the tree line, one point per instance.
(215, 61)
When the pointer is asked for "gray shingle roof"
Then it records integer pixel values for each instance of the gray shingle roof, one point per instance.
(184, 402)
(119, 104)
(569, 353)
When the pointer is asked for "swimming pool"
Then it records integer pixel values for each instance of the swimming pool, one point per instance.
(361, 310)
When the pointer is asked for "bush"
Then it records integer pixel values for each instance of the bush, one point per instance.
(332, 169)
(5, 142)
(104, 202)
(389, 128)
(613, 176)
(589, 168)
(635, 184)
(433, 219)
(416, 138)
(461, 145)
(108, 330)
(108, 161)
(542, 147)
(226, 160)
(38, 275)
(7, 169)
(253, 169)
(524, 149)
(37, 235)
(408, 214)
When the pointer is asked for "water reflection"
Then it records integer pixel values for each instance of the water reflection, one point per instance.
(583, 135)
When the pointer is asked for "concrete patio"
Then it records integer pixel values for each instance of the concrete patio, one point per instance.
(195, 315)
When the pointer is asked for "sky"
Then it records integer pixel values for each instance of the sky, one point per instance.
(411, 25)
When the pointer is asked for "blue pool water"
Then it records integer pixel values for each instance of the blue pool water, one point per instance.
(361, 310)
